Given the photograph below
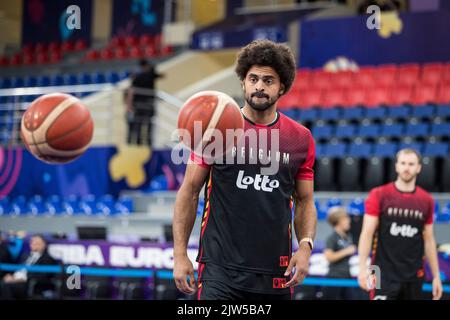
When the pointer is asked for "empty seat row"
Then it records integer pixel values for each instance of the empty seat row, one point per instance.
(71, 205)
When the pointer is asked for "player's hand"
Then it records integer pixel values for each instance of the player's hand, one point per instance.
(181, 270)
(437, 288)
(363, 276)
(299, 261)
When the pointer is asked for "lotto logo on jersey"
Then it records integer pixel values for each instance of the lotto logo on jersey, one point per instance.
(259, 182)
(403, 230)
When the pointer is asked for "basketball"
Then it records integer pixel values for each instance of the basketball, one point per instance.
(212, 110)
(57, 128)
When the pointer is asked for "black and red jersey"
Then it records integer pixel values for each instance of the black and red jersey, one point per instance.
(247, 216)
(398, 247)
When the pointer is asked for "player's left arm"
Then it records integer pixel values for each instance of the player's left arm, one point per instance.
(432, 258)
(305, 221)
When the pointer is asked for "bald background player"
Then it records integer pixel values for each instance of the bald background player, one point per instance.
(245, 247)
(399, 222)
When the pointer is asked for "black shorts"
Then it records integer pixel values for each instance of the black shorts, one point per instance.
(395, 290)
(215, 290)
(219, 283)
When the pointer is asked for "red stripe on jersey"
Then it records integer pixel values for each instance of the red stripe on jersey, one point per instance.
(206, 213)
(201, 266)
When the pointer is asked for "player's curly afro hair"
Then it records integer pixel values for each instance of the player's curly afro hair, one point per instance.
(270, 54)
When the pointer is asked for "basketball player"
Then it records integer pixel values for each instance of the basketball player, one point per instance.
(400, 215)
(246, 239)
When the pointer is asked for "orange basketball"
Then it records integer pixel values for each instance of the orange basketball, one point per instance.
(211, 110)
(57, 128)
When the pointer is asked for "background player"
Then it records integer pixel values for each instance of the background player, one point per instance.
(246, 245)
(400, 215)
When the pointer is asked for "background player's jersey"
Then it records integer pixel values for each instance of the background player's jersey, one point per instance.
(247, 218)
(398, 245)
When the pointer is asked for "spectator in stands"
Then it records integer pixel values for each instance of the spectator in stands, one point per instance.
(5, 255)
(140, 103)
(339, 249)
(21, 284)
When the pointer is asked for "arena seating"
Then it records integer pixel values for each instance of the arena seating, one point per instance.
(361, 119)
(55, 205)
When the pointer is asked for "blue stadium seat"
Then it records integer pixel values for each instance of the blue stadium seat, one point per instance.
(88, 205)
(323, 131)
(360, 150)
(124, 206)
(353, 113)
(337, 150)
(385, 150)
(400, 112)
(392, 130)
(19, 205)
(112, 77)
(321, 214)
(417, 130)
(200, 207)
(30, 82)
(4, 206)
(425, 112)
(5, 83)
(71, 205)
(444, 215)
(440, 129)
(106, 205)
(35, 205)
(320, 150)
(356, 207)
(70, 79)
(124, 74)
(369, 131)
(329, 113)
(308, 114)
(98, 77)
(57, 80)
(443, 111)
(291, 113)
(43, 81)
(84, 78)
(375, 113)
(17, 82)
(54, 206)
(414, 145)
(345, 131)
(436, 149)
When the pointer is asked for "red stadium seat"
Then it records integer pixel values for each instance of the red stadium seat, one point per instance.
(408, 74)
(116, 42)
(15, 60)
(432, 73)
(333, 97)
(131, 41)
(150, 51)
(165, 50)
(41, 58)
(40, 48)
(385, 75)
(67, 46)
(321, 79)
(343, 79)
(55, 56)
(136, 52)
(290, 100)
(377, 96)
(80, 44)
(4, 61)
(53, 46)
(28, 59)
(444, 93)
(28, 48)
(365, 76)
(424, 93)
(145, 40)
(401, 94)
(121, 53)
(302, 80)
(446, 72)
(107, 54)
(92, 55)
(310, 98)
(354, 96)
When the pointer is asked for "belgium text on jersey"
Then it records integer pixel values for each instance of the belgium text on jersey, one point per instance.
(261, 147)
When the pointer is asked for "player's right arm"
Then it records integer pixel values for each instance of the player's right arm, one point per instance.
(183, 221)
(370, 225)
